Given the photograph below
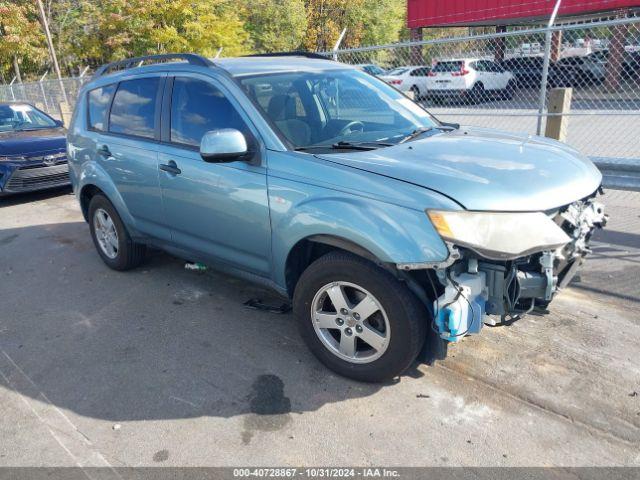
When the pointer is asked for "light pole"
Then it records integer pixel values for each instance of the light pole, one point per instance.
(52, 51)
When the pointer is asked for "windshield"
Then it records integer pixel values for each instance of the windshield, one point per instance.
(325, 108)
(23, 117)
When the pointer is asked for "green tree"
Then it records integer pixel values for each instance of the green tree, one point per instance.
(21, 39)
(276, 25)
(116, 29)
(367, 22)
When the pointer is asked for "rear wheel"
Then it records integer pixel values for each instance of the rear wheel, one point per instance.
(509, 90)
(112, 241)
(357, 318)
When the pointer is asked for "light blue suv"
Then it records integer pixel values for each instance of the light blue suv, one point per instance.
(383, 225)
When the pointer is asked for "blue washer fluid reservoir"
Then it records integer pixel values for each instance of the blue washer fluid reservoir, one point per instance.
(460, 310)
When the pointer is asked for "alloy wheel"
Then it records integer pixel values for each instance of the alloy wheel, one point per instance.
(106, 233)
(350, 322)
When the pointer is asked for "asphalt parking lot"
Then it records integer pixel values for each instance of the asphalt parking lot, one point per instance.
(165, 366)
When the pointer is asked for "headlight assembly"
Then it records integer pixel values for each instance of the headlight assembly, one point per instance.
(498, 235)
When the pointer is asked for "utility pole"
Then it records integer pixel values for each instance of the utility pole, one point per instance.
(52, 52)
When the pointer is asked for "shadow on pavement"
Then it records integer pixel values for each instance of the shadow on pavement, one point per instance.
(158, 342)
(21, 198)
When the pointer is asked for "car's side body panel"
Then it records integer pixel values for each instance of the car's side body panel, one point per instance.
(310, 197)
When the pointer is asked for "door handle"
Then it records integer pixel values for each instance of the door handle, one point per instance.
(104, 151)
(170, 167)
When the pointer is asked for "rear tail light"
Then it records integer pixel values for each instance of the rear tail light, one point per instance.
(461, 73)
(395, 82)
(432, 74)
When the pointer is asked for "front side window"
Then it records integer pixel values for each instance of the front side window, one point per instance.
(197, 107)
(21, 117)
(322, 108)
(134, 107)
(99, 100)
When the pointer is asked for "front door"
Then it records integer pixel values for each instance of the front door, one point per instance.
(215, 210)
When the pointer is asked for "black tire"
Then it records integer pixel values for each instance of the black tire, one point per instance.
(416, 93)
(478, 93)
(129, 253)
(407, 316)
(509, 90)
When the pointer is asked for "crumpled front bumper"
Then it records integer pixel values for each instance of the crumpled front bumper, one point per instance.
(479, 291)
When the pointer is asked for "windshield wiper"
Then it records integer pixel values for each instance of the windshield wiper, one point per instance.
(419, 131)
(416, 133)
(342, 145)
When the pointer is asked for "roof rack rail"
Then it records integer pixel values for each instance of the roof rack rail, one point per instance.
(298, 53)
(127, 63)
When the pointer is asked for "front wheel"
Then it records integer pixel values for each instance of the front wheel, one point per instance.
(416, 93)
(358, 319)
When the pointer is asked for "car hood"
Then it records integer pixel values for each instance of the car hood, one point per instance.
(485, 169)
(32, 141)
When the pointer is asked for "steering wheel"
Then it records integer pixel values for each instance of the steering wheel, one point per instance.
(348, 129)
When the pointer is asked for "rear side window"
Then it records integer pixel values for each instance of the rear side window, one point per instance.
(99, 100)
(134, 107)
(198, 107)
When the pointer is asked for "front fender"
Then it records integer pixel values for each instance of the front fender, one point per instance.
(392, 233)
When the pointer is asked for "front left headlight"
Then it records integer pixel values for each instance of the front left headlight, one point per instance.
(499, 235)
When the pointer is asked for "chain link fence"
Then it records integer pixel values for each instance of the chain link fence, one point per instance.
(507, 81)
(48, 95)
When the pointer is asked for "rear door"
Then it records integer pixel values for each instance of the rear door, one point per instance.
(127, 145)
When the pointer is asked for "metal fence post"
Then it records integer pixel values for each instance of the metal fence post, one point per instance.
(337, 45)
(545, 67)
(44, 96)
(13, 95)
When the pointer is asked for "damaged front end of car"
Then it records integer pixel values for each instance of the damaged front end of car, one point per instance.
(502, 265)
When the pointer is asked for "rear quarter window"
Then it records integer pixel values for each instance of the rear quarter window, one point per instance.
(98, 101)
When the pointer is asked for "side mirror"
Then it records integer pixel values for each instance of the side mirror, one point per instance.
(59, 123)
(224, 145)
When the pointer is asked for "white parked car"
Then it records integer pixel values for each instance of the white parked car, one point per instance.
(469, 78)
(409, 79)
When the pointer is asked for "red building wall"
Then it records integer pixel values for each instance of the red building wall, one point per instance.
(431, 13)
